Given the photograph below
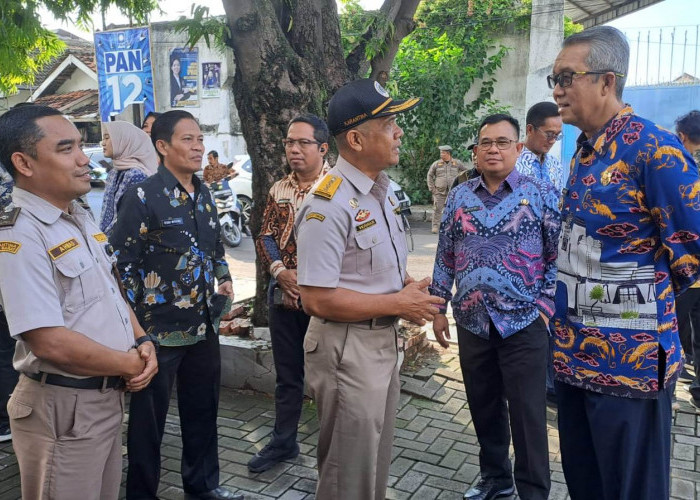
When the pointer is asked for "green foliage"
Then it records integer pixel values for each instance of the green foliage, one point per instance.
(26, 46)
(629, 315)
(354, 23)
(201, 25)
(571, 27)
(597, 293)
(454, 48)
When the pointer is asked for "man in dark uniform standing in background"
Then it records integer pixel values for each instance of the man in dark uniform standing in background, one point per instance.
(441, 175)
(353, 282)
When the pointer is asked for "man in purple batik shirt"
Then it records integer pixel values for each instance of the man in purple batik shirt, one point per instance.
(498, 243)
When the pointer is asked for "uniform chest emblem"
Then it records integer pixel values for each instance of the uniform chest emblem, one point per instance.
(362, 215)
(354, 203)
(100, 237)
(63, 248)
(392, 201)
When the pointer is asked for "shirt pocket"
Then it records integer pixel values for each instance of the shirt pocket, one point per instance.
(374, 252)
(79, 279)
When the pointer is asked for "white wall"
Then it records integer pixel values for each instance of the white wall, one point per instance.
(218, 116)
(79, 80)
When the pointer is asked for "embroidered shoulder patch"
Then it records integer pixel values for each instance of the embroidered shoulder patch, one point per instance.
(315, 215)
(100, 237)
(9, 217)
(328, 186)
(63, 248)
(9, 246)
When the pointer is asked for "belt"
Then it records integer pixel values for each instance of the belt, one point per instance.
(76, 383)
(381, 322)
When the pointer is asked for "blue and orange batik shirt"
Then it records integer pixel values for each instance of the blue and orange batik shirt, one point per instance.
(629, 245)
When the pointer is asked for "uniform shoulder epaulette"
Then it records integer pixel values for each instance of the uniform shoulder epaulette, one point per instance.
(9, 217)
(328, 186)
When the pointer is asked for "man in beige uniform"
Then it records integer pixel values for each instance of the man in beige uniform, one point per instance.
(441, 174)
(74, 331)
(353, 282)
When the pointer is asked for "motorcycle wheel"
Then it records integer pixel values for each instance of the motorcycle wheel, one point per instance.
(231, 234)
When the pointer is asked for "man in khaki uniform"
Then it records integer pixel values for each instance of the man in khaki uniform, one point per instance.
(441, 174)
(353, 282)
(77, 339)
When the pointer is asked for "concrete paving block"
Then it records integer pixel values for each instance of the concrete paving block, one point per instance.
(426, 493)
(411, 481)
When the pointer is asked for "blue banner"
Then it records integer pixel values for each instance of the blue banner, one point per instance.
(124, 73)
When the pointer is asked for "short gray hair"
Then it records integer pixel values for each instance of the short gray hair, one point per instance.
(608, 50)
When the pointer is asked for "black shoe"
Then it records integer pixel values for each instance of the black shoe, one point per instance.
(5, 433)
(686, 376)
(270, 456)
(694, 403)
(219, 493)
(489, 488)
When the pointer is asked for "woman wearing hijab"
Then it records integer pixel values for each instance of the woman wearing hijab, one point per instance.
(133, 159)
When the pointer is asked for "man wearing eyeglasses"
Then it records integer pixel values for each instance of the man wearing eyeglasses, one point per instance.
(630, 244)
(542, 130)
(305, 146)
(498, 244)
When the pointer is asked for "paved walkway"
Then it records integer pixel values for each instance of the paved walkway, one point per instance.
(435, 449)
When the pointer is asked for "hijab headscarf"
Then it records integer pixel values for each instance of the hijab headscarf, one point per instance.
(132, 147)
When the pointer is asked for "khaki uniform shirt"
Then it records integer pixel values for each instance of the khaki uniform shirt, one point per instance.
(441, 174)
(55, 272)
(350, 234)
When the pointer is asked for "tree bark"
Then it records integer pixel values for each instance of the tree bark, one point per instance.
(289, 60)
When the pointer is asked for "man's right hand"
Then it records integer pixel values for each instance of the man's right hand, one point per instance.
(416, 304)
(134, 365)
(441, 329)
(287, 280)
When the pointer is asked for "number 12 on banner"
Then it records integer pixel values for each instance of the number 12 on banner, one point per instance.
(131, 82)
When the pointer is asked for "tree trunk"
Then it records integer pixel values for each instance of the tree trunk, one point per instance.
(289, 60)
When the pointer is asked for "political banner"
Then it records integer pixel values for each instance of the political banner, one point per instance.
(124, 73)
(211, 80)
(184, 77)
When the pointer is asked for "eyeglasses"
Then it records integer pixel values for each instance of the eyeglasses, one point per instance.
(500, 144)
(303, 143)
(566, 78)
(551, 136)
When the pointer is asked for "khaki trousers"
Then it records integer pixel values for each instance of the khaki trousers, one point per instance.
(438, 206)
(353, 375)
(67, 441)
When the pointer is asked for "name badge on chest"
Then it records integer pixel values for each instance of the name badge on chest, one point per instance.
(173, 221)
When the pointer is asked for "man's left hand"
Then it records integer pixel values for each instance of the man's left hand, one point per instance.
(226, 288)
(545, 319)
(147, 351)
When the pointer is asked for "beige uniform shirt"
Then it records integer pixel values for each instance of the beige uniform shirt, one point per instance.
(350, 234)
(55, 271)
(441, 174)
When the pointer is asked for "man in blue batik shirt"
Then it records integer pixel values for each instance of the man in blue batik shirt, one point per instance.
(498, 242)
(542, 130)
(630, 244)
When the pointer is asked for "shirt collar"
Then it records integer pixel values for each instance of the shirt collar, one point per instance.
(601, 140)
(294, 182)
(525, 153)
(40, 208)
(171, 182)
(513, 181)
(358, 179)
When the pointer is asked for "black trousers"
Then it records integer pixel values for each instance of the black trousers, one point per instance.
(614, 448)
(688, 312)
(8, 375)
(287, 331)
(198, 371)
(506, 378)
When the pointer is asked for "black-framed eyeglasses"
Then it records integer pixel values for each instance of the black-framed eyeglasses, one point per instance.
(500, 144)
(551, 136)
(566, 78)
(303, 143)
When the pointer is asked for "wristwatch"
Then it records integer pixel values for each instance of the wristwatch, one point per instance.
(149, 337)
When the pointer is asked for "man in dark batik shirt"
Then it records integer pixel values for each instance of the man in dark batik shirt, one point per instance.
(169, 254)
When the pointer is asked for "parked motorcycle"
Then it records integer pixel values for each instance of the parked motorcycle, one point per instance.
(229, 213)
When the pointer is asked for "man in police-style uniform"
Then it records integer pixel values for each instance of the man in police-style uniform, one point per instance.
(353, 282)
(77, 339)
(441, 174)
